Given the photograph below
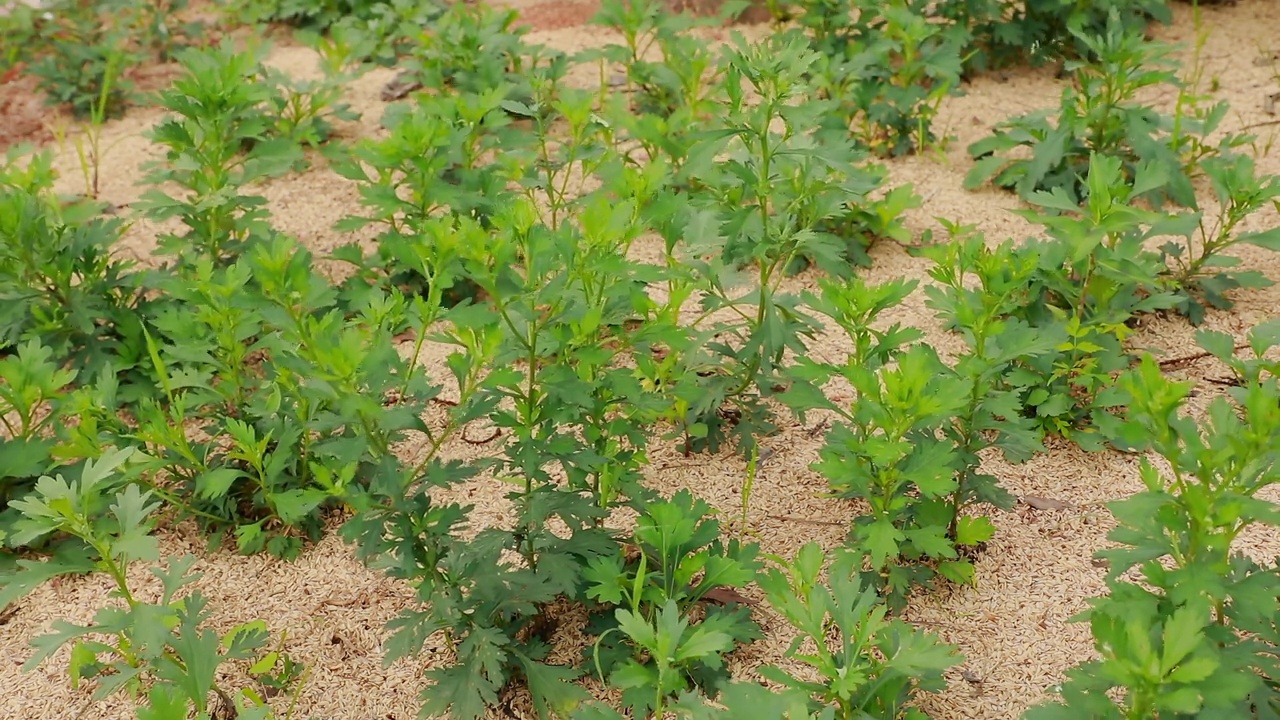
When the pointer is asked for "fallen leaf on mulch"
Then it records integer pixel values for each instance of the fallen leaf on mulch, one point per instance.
(1044, 503)
(400, 87)
(725, 596)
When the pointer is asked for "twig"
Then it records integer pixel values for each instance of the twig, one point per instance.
(1264, 123)
(788, 518)
(817, 429)
(1178, 362)
(497, 432)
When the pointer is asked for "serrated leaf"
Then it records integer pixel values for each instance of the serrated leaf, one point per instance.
(972, 531)
(881, 541)
(164, 702)
(1183, 633)
(465, 691)
(552, 687)
(960, 572)
(294, 506)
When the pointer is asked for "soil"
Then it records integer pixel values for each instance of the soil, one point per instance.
(1013, 627)
(24, 116)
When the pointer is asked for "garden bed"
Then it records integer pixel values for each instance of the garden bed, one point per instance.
(1038, 571)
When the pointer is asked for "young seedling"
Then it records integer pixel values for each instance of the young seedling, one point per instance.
(1099, 114)
(218, 139)
(1188, 625)
(678, 562)
(157, 653)
(875, 666)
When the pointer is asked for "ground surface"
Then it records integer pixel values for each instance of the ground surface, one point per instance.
(1012, 627)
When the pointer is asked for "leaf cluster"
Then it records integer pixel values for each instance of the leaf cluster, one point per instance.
(159, 653)
(1194, 633)
(887, 67)
(82, 52)
(1003, 34)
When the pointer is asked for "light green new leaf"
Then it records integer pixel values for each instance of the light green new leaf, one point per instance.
(1183, 633)
(881, 541)
(974, 530)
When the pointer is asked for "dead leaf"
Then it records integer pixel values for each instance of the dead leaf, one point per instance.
(400, 87)
(1044, 503)
(727, 595)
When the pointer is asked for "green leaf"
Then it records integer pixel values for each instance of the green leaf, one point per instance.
(1269, 239)
(466, 690)
(244, 638)
(552, 687)
(164, 702)
(216, 482)
(67, 560)
(294, 506)
(264, 664)
(1194, 670)
(960, 572)
(1183, 633)
(1184, 701)
(932, 541)
(702, 643)
(971, 531)
(83, 663)
(881, 541)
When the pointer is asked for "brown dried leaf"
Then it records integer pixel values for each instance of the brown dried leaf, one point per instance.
(727, 595)
(1044, 503)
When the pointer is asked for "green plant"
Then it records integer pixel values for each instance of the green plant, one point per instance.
(1197, 265)
(738, 699)
(156, 29)
(1095, 276)
(681, 85)
(61, 284)
(26, 168)
(21, 27)
(876, 665)
(84, 66)
(432, 159)
(887, 67)
(474, 48)
(299, 402)
(1039, 32)
(157, 651)
(540, 358)
(1197, 637)
(571, 144)
(88, 146)
(83, 52)
(32, 390)
(886, 449)
(677, 559)
(312, 15)
(379, 33)
(219, 139)
(775, 196)
(1099, 114)
(998, 342)
(910, 444)
(304, 110)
